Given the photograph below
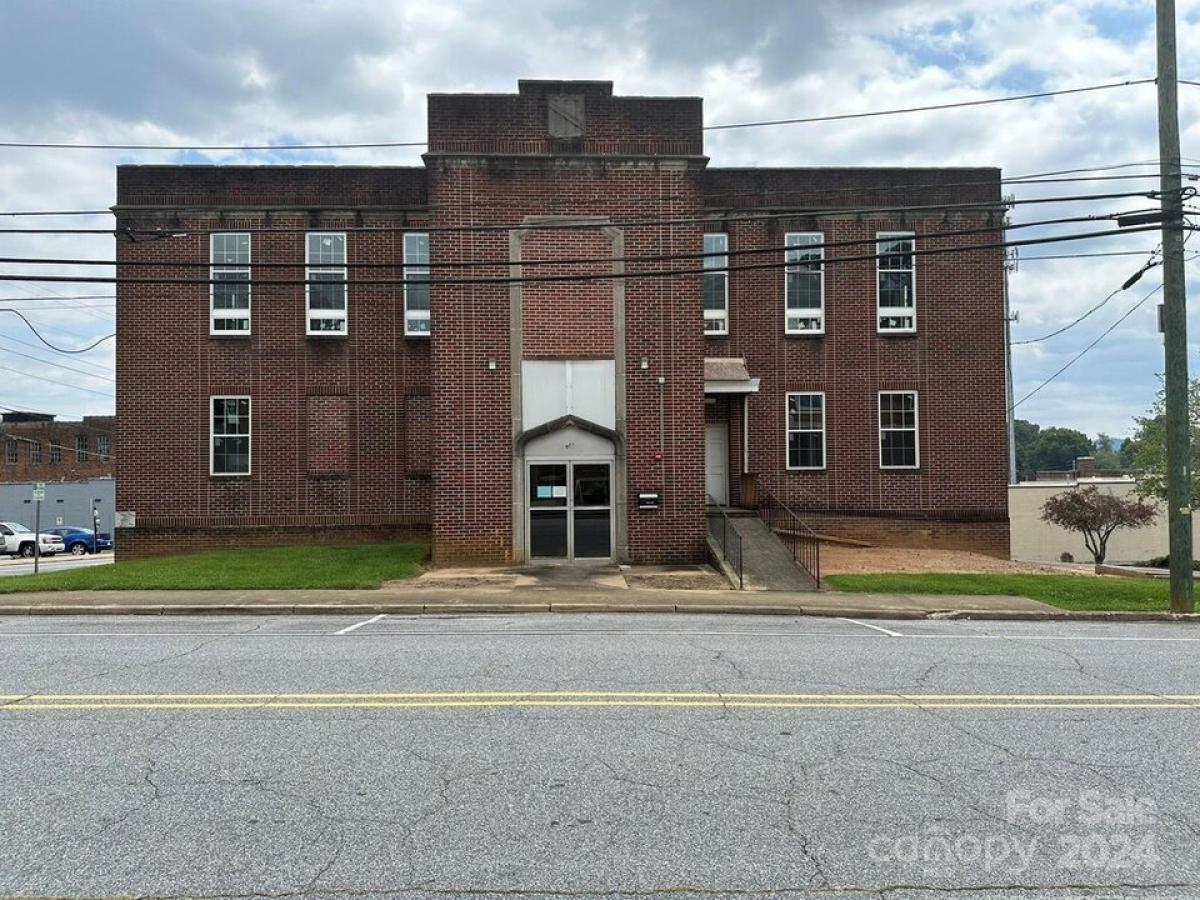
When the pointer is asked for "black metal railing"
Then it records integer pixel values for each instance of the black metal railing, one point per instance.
(792, 530)
(726, 538)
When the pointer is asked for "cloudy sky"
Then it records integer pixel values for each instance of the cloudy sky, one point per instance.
(278, 71)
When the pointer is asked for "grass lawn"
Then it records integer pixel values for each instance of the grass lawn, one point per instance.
(1076, 592)
(359, 566)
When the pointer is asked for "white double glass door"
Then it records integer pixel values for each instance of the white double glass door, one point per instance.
(569, 505)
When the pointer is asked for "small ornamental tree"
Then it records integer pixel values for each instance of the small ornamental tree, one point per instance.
(1096, 515)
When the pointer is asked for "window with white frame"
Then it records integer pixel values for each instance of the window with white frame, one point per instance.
(55, 453)
(716, 284)
(10, 451)
(102, 445)
(229, 435)
(35, 451)
(804, 282)
(416, 287)
(806, 431)
(897, 282)
(325, 270)
(898, 444)
(81, 448)
(229, 293)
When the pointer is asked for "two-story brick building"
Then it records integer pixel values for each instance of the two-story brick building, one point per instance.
(557, 338)
(37, 447)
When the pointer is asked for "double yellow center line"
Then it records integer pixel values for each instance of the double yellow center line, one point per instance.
(588, 699)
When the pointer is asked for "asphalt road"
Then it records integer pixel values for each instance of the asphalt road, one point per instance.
(595, 756)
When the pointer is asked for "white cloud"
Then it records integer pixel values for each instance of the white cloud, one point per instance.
(231, 72)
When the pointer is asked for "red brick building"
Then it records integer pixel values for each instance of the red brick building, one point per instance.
(576, 375)
(38, 448)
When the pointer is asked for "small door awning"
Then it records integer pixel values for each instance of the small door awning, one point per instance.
(728, 375)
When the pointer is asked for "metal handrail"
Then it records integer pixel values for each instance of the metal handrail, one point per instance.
(722, 531)
(795, 533)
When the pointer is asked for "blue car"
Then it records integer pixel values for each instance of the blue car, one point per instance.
(79, 541)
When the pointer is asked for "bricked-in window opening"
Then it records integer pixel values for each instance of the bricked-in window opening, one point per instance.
(55, 453)
(229, 436)
(328, 432)
(10, 452)
(418, 434)
(229, 294)
(716, 284)
(102, 446)
(325, 261)
(81, 448)
(897, 282)
(416, 296)
(804, 282)
(898, 444)
(35, 452)
(806, 430)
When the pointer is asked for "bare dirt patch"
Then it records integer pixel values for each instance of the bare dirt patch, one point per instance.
(839, 560)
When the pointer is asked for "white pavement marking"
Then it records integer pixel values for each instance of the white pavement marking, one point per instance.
(358, 625)
(886, 631)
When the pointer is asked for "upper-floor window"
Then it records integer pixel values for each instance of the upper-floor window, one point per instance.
(10, 451)
(325, 261)
(81, 448)
(716, 284)
(804, 282)
(102, 445)
(898, 444)
(55, 453)
(229, 436)
(35, 451)
(416, 287)
(229, 293)
(897, 282)
(806, 431)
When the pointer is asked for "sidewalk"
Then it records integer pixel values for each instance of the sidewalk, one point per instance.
(412, 598)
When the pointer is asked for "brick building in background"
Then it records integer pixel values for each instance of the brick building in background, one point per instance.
(35, 447)
(527, 404)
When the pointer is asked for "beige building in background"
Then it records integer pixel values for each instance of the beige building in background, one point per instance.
(1037, 541)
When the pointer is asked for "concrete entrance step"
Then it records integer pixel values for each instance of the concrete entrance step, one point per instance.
(766, 563)
(737, 512)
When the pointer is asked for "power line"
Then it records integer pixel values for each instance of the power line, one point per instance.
(938, 106)
(1086, 349)
(1129, 282)
(38, 335)
(598, 276)
(76, 450)
(506, 262)
(584, 221)
(53, 381)
(58, 297)
(376, 145)
(710, 196)
(57, 365)
(103, 370)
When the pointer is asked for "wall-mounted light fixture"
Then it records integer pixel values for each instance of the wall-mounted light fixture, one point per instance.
(491, 365)
(645, 362)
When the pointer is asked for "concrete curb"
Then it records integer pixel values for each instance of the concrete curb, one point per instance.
(475, 608)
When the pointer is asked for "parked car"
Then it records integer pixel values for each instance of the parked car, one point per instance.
(18, 541)
(79, 541)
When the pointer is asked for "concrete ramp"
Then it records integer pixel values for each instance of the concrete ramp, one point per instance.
(767, 564)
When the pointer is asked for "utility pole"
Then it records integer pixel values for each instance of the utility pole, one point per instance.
(1179, 468)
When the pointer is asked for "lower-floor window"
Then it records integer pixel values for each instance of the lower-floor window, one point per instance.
(806, 431)
(229, 436)
(898, 444)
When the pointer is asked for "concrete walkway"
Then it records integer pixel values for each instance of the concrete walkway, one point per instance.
(411, 599)
(766, 563)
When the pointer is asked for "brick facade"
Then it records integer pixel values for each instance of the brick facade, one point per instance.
(382, 433)
(35, 447)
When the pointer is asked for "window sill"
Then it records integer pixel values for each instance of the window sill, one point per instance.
(900, 468)
(804, 334)
(326, 334)
(227, 476)
(807, 468)
(896, 332)
(419, 335)
(229, 334)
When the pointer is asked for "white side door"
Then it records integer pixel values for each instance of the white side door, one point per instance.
(716, 462)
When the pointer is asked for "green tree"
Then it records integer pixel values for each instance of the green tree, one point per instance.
(1025, 434)
(1056, 449)
(1150, 447)
(1104, 449)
